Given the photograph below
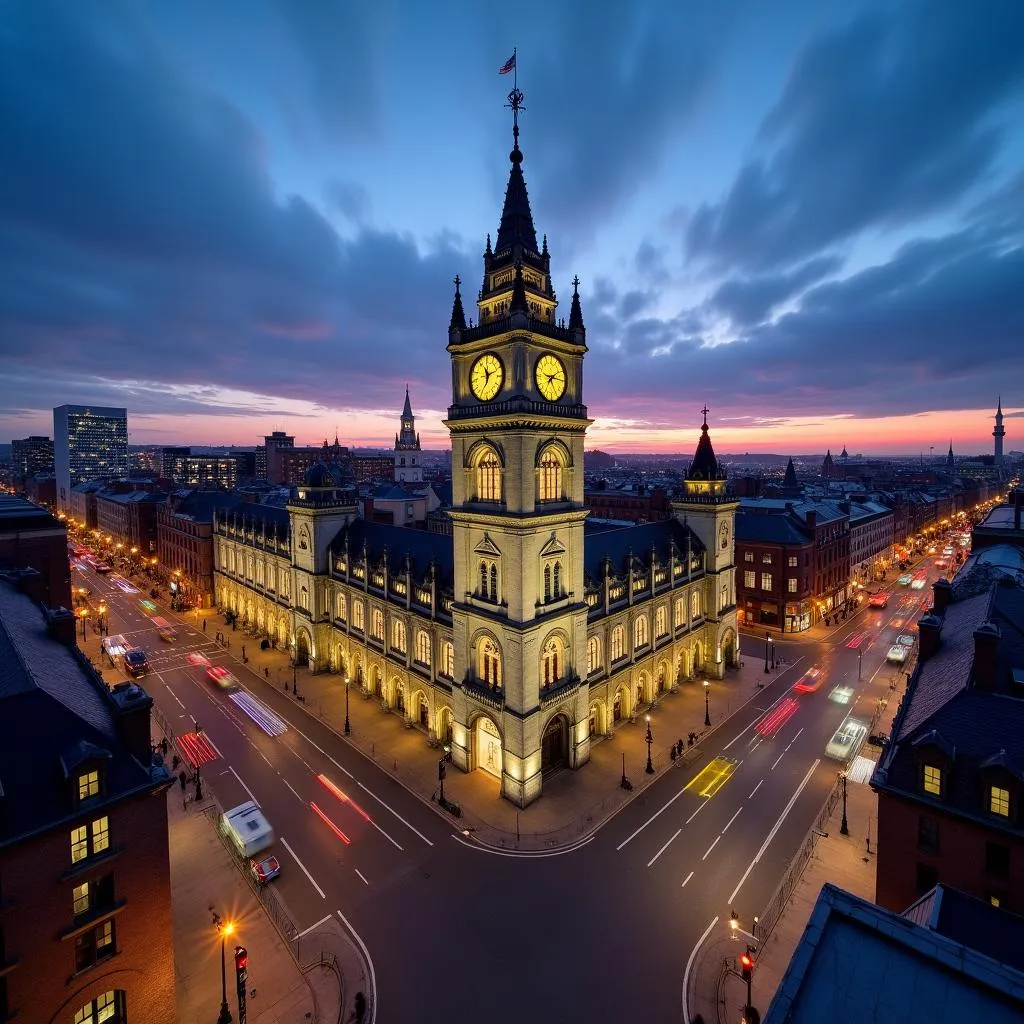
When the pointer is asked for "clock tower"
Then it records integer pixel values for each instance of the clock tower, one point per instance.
(517, 423)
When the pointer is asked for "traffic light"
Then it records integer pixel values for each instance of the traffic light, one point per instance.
(747, 964)
(442, 771)
(241, 960)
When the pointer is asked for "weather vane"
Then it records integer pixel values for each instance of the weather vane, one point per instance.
(515, 97)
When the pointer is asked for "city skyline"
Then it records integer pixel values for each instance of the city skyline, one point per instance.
(231, 245)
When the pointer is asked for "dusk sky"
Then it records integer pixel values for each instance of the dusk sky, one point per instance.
(234, 216)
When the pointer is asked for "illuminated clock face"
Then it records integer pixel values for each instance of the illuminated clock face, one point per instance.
(486, 376)
(550, 378)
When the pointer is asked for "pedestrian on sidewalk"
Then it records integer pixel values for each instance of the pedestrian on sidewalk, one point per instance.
(182, 780)
(204, 625)
(266, 672)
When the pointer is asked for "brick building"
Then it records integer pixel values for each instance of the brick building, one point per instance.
(82, 507)
(130, 518)
(951, 782)
(86, 903)
(635, 504)
(32, 538)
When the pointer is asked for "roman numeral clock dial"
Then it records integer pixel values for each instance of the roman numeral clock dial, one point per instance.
(486, 376)
(550, 376)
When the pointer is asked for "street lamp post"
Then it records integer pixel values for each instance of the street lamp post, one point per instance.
(348, 727)
(844, 828)
(83, 615)
(225, 928)
(767, 641)
(649, 738)
(860, 657)
(707, 704)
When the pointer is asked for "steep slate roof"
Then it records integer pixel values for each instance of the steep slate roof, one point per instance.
(771, 528)
(50, 705)
(617, 543)
(397, 542)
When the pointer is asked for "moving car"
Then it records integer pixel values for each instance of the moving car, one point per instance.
(102, 567)
(846, 740)
(810, 680)
(879, 600)
(222, 677)
(164, 629)
(264, 870)
(135, 662)
(247, 828)
(904, 580)
(897, 654)
(198, 658)
(940, 563)
(906, 640)
(917, 584)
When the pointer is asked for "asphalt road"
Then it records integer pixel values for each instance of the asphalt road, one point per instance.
(457, 932)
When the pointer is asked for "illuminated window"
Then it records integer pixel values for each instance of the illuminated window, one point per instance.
(748, 556)
(766, 558)
(792, 561)
(791, 584)
(88, 785)
(488, 476)
(398, 636)
(94, 945)
(550, 662)
(341, 607)
(661, 621)
(549, 475)
(448, 659)
(999, 801)
(378, 624)
(618, 643)
(680, 612)
(109, 1008)
(423, 647)
(79, 844)
(489, 663)
(766, 581)
(932, 779)
(695, 605)
(593, 654)
(80, 899)
(641, 632)
(750, 579)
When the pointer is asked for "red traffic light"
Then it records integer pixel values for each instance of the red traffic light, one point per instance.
(746, 961)
(241, 958)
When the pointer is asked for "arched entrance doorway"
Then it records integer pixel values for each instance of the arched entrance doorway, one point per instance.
(729, 648)
(488, 746)
(301, 648)
(554, 746)
(445, 722)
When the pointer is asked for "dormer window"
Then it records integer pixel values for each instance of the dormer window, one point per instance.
(999, 801)
(88, 784)
(932, 779)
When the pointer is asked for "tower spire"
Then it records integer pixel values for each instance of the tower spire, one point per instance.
(458, 314)
(516, 228)
(575, 311)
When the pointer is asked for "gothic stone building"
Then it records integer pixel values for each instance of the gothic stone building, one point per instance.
(525, 635)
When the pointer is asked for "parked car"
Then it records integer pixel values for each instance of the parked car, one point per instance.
(878, 739)
(906, 639)
(264, 870)
(897, 654)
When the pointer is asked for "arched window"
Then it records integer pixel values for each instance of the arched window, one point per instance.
(304, 598)
(377, 632)
(661, 621)
(341, 606)
(618, 643)
(547, 582)
(448, 659)
(551, 662)
(494, 581)
(398, 635)
(593, 654)
(556, 579)
(641, 633)
(695, 605)
(489, 663)
(483, 579)
(488, 475)
(423, 647)
(549, 475)
(680, 612)
(357, 615)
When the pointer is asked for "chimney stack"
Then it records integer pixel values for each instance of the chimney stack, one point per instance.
(131, 712)
(929, 629)
(62, 626)
(812, 518)
(32, 583)
(942, 595)
(986, 644)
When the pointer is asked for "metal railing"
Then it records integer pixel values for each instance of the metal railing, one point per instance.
(770, 915)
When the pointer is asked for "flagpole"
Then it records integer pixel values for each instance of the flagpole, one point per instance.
(515, 69)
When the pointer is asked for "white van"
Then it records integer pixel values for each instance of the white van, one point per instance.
(248, 829)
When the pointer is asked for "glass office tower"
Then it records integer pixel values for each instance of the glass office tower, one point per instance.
(89, 443)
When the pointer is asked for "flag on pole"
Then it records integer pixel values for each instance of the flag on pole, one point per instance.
(509, 65)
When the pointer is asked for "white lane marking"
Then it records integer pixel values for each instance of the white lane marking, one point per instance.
(696, 812)
(214, 745)
(688, 877)
(778, 759)
(369, 964)
(412, 828)
(313, 927)
(292, 788)
(316, 746)
(664, 848)
(775, 828)
(739, 736)
(174, 695)
(757, 744)
(264, 756)
(711, 847)
(731, 820)
(664, 808)
(393, 842)
(797, 736)
(361, 875)
(689, 967)
(482, 848)
(305, 870)
(755, 789)
(245, 787)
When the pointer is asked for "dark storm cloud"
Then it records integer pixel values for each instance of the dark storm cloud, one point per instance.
(142, 239)
(748, 300)
(890, 118)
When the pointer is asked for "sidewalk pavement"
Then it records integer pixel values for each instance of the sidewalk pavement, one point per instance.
(573, 804)
(205, 878)
(719, 993)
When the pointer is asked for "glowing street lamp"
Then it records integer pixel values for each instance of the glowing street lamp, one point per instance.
(707, 704)
(225, 928)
